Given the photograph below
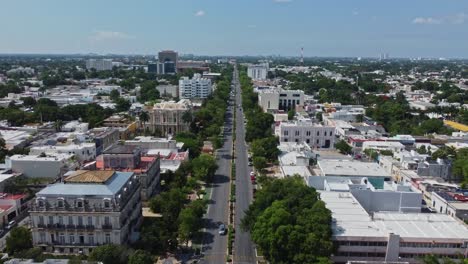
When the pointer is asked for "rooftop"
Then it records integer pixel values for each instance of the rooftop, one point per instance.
(83, 176)
(351, 168)
(350, 219)
(121, 149)
(111, 187)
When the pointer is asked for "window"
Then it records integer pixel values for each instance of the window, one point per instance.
(80, 220)
(79, 203)
(286, 133)
(41, 220)
(308, 141)
(42, 237)
(71, 237)
(90, 220)
(297, 133)
(60, 220)
(318, 133)
(106, 220)
(60, 203)
(318, 141)
(91, 239)
(40, 203)
(70, 220)
(51, 220)
(108, 239)
(62, 238)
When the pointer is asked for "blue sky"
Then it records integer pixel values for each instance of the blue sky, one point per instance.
(402, 28)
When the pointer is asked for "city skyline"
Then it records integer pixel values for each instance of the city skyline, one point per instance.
(265, 27)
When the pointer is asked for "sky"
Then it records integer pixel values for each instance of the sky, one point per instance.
(338, 28)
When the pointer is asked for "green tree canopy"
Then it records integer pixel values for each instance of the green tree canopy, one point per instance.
(289, 223)
(109, 254)
(20, 239)
(140, 257)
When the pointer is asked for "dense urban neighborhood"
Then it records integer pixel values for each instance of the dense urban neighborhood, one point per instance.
(195, 159)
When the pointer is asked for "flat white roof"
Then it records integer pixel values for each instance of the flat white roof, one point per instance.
(350, 219)
(303, 171)
(351, 168)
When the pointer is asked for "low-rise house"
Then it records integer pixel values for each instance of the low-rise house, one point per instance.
(454, 203)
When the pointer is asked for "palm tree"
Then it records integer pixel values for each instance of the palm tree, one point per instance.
(58, 125)
(144, 117)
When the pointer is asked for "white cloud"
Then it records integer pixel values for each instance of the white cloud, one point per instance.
(102, 35)
(252, 26)
(200, 13)
(457, 19)
(355, 12)
(452, 19)
(282, 1)
(427, 20)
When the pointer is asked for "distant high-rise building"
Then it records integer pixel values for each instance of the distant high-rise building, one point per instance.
(99, 64)
(258, 72)
(197, 87)
(169, 59)
(156, 68)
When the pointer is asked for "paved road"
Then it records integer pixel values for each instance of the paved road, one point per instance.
(215, 245)
(243, 246)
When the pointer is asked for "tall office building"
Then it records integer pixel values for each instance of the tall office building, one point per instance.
(99, 64)
(258, 72)
(169, 59)
(197, 87)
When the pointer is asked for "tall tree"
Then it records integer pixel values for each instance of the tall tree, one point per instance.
(20, 239)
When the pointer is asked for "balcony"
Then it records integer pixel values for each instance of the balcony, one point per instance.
(107, 226)
(89, 227)
(55, 226)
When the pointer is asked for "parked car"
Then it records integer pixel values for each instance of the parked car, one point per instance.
(11, 224)
(222, 229)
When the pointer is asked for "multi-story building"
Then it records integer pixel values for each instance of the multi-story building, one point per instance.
(87, 209)
(156, 68)
(274, 99)
(168, 90)
(258, 72)
(99, 64)
(169, 59)
(314, 134)
(454, 203)
(197, 87)
(131, 158)
(167, 117)
(104, 137)
(82, 151)
(375, 233)
(41, 166)
(126, 126)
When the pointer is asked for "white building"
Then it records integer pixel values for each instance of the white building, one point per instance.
(197, 87)
(295, 159)
(168, 90)
(273, 99)
(258, 72)
(362, 233)
(34, 166)
(99, 64)
(82, 152)
(88, 209)
(315, 135)
(383, 145)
